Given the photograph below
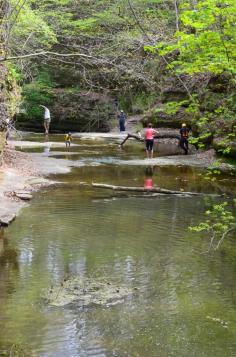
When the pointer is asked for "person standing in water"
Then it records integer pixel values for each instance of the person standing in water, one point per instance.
(47, 119)
(184, 134)
(122, 118)
(68, 139)
(149, 140)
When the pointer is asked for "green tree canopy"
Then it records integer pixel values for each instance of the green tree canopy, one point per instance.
(207, 39)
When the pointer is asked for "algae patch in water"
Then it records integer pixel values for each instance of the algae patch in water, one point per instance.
(87, 292)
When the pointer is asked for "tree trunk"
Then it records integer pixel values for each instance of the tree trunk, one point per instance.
(4, 8)
(159, 136)
(176, 14)
(142, 189)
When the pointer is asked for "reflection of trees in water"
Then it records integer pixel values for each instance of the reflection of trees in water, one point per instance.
(8, 255)
(161, 261)
(8, 263)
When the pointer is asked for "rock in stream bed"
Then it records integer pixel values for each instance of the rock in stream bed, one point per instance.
(87, 292)
(6, 219)
(23, 195)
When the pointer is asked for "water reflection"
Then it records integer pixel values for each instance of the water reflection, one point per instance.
(8, 268)
(143, 246)
(76, 230)
(8, 255)
(47, 148)
(148, 182)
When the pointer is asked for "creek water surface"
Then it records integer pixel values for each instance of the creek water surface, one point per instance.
(184, 300)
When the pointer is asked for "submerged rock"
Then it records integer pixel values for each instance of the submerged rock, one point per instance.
(87, 292)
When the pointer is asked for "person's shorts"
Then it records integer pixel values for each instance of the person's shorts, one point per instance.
(149, 144)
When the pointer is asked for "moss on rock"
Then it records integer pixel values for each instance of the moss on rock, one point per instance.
(87, 292)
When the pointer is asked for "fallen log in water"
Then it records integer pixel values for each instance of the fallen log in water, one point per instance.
(142, 189)
(159, 136)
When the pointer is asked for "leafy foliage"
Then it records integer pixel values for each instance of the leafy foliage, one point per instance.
(29, 29)
(173, 107)
(113, 37)
(35, 93)
(218, 224)
(206, 44)
(207, 41)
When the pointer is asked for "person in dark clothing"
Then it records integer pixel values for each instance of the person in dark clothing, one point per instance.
(184, 134)
(122, 118)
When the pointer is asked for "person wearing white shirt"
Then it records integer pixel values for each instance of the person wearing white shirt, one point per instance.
(47, 118)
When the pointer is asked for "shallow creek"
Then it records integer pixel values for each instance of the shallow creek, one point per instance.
(184, 301)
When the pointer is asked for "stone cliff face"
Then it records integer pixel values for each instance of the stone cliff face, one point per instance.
(3, 109)
(9, 102)
(2, 144)
(73, 110)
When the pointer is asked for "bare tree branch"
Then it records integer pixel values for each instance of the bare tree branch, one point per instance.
(45, 53)
(212, 240)
(176, 14)
(163, 57)
(224, 235)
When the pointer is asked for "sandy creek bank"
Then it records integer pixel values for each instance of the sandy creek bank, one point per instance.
(21, 174)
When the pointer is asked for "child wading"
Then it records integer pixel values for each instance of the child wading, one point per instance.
(149, 139)
(68, 139)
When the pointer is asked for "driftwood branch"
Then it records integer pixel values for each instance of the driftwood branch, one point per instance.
(143, 189)
(159, 136)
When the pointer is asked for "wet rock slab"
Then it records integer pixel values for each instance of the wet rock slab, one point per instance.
(6, 219)
(23, 195)
(35, 144)
(8, 210)
(87, 292)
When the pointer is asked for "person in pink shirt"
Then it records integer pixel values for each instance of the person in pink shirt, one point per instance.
(149, 140)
